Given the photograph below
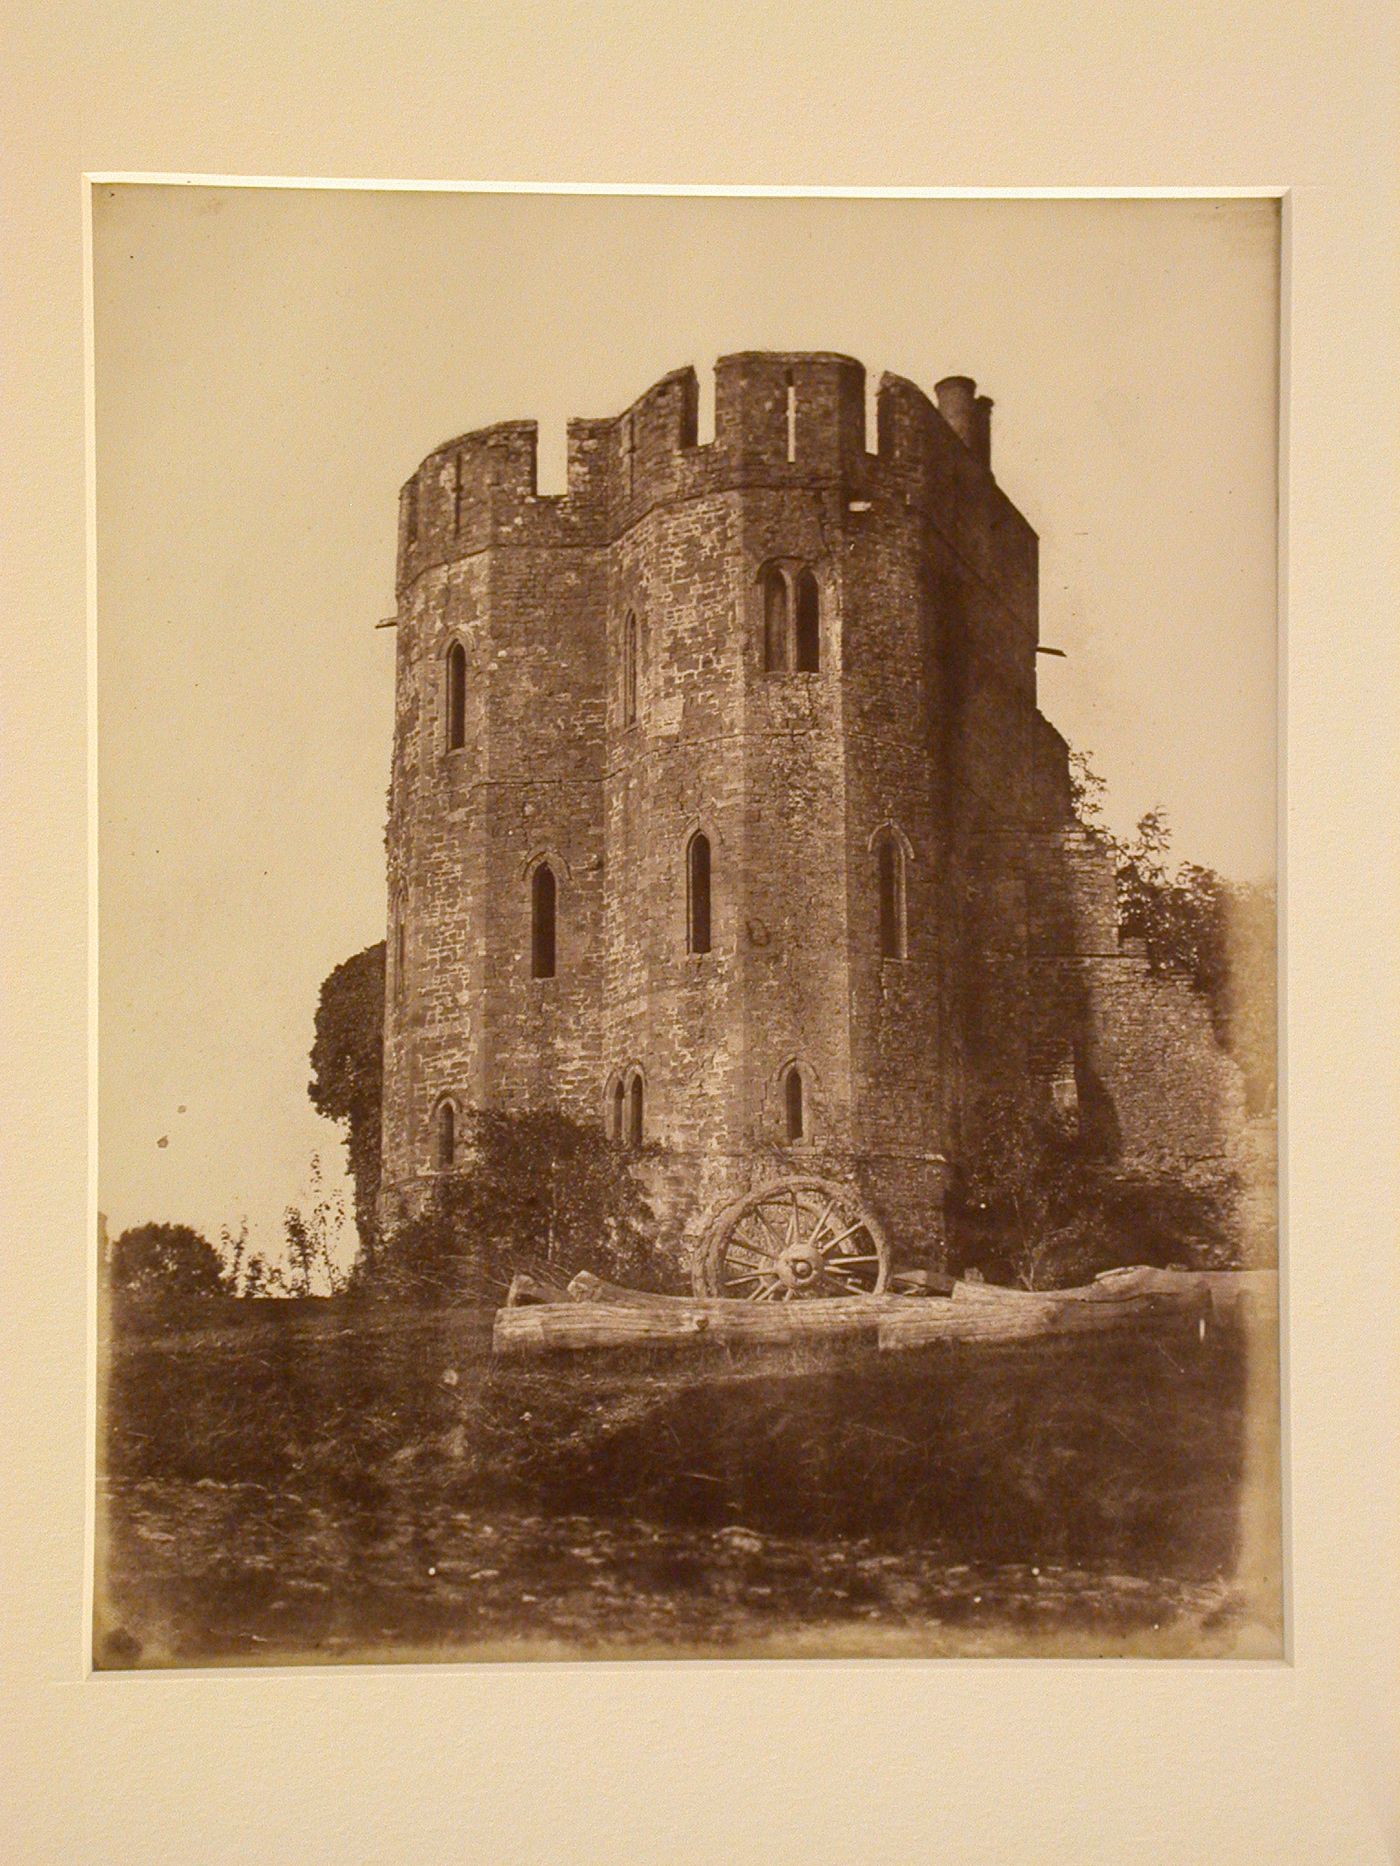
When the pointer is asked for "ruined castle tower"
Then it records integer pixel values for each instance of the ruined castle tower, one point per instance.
(722, 813)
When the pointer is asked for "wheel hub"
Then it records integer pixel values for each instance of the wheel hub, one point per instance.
(799, 1266)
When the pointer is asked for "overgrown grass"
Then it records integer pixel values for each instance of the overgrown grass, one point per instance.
(1112, 1452)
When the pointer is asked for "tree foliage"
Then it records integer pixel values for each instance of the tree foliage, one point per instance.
(165, 1262)
(1218, 934)
(347, 1073)
(534, 1189)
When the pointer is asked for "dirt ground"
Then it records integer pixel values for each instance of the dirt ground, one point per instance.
(204, 1578)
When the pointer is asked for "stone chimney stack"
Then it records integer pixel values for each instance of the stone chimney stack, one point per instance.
(968, 414)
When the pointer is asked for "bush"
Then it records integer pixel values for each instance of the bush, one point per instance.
(164, 1263)
(534, 1191)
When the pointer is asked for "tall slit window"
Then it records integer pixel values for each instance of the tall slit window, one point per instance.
(698, 894)
(775, 621)
(446, 1136)
(809, 642)
(892, 904)
(543, 905)
(635, 1113)
(617, 1112)
(792, 1105)
(629, 669)
(456, 697)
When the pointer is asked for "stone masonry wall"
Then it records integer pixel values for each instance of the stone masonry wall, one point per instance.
(918, 725)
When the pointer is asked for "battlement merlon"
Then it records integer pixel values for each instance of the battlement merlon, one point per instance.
(782, 419)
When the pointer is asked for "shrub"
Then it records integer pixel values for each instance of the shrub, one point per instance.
(1032, 1205)
(164, 1263)
(533, 1190)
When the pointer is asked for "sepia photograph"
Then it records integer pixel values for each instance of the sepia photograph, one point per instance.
(687, 980)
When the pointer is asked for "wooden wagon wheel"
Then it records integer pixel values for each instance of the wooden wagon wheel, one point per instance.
(792, 1240)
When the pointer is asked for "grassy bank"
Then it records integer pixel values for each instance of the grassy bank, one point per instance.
(342, 1446)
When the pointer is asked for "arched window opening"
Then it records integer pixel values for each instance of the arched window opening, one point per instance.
(775, 621)
(456, 697)
(543, 898)
(446, 1136)
(635, 1112)
(630, 644)
(809, 643)
(792, 1105)
(698, 894)
(892, 912)
(617, 1112)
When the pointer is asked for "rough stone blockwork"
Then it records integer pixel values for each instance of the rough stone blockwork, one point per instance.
(820, 661)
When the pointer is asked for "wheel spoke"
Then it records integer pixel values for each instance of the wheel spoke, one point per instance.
(748, 1276)
(841, 1236)
(816, 1230)
(850, 1286)
(759, 1252)
(762, 1218)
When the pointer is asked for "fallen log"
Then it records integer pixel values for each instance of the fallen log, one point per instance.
(689, 1321)
(1012, 1315)
(922, 1283)
(525, 1288)
(1229, 1292)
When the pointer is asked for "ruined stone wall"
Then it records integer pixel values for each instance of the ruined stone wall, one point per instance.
(1132, 1050)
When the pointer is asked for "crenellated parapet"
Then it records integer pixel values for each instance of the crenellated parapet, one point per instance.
(783, 420)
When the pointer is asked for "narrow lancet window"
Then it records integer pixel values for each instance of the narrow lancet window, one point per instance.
(698, 894)
(446, 1136)
(792, 1097)
(775, 622)
(629, 670)
(617, 1113)
(892, 908)
(809, 645)
(456, 697)
(542, 921)
(635, 1112)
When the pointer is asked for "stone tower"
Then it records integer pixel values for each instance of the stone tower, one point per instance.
(721, 810)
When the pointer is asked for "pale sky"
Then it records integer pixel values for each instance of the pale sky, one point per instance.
(270, 366)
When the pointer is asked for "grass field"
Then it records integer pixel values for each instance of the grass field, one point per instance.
(323, 1481)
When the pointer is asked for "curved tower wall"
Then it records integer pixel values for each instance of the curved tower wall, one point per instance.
(915, 725)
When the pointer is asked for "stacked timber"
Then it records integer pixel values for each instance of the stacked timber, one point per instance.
(592, 1313)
